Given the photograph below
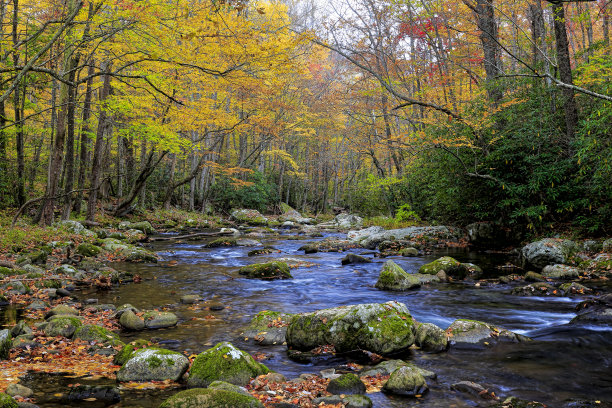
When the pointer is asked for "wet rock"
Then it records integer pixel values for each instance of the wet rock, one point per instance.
(409, 252)
(99, 334)
(190, 299)
(250, 217)
(232, 231)
(106, 394)
(406, 381)
(210, 398)
(6, 343)
(393, 277)
(468, 387)
(560, 272)
(329, 245)
(360, 235)
(269, 270)
(268, 327)
(442, 276)
(159, 320)
(346, 401)
(222, 242)
(21, 328)
(354, 259)
(144, 226)
(61, 310)
(346, 384)
(536, 289)
(548, 251)
(451, 267)
(224, 362)
(6, 401)
(430, 234)
(574, 288)
(62, 325)
(513, 402)
(263, 251)
(594, 311)
(130, 321)
(430, 337)
(469, 334)
(383, 328)
(124, 308)
(153, 364)
(87, 249)
(389, 366)
(532, 276)
(222, 385)
(15, 390)
(128, 349)
(247, 242)
(346, 221)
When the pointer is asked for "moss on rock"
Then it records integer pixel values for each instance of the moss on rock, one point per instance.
(224, 362)
(268, 270)
(6, 401)
(210, 398)
(346, 384)
(393, 277)
(153, 364)
(60, 325)
(98, 334)
(222, 242)
(87, 249)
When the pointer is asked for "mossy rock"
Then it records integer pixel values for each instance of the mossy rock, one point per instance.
(383, 328)
(38, 257)
(210, 398)
(98, 334)
(15, 287)
(222, 242)
(406, 381)
(61, 325)
(61, 310)
(346, 401)
(393, 277)
(268, 327)
(130, 321)
(224, 362)
(269, 270)
(153, 364)
(6, 401)
(532, 276)
(346, 384)
(250, 217)
(144, 226)
(446, 264)
(513, 402)
(409, 252)
(474, 334)
(222, 385)
(430, 337)
(128, 350)
(389, 366)
(4, 271)
(87, 249)
(6, 342)
(536, 289)
(262, 251)
(560, 272)
(158, 320)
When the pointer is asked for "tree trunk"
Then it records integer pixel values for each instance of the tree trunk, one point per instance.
(69, 169)
(84, 154)
(565, 72)
(96, 169)
(17, 109)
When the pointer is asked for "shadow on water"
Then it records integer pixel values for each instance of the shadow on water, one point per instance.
(563, 363)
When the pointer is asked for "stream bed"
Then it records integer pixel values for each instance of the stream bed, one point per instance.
(565, 366)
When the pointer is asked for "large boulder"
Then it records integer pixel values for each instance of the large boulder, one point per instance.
(471, 334)
(360, 235)
(393, 277)
(548, 251)
(268, 327)
(447, 264)
(131, 253)
(250, 217)
(436, 233)
(87, 249)
(210, 398)
(292, 215)
(406, 380)
(346, 221)
(560, 272)
(269, 270)
(383, 328)
(224, 362)
(153, 364)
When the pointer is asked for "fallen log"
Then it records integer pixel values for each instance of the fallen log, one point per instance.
(188, 236)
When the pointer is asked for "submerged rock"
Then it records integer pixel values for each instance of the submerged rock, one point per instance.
(269, 270)
(210, 398)
(594, 311)
(153, 364)
(406, 381)
(224, 362)
(268, 328)
(107, 394)
(19, 390)
(383, 328)
(98, 334)
(393, 277)
(464, 333)
(354, 259)
(548, 251)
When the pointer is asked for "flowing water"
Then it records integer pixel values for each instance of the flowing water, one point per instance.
(564, 365)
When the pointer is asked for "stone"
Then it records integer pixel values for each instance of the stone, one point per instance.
(409, 252)
(130, 321)
(452, 268)
(250, 217)
(222, 385)
(15, 287)
(106, 394)
(489, 235)
(247, 242)
(61, 310)
(574, 288)
(6, 342)
(548, 251)
(190, 299)
(98, 334)
(430, 337)
(393, 277)
(389, 366)
(268, 327)
(62, 325)
(596, 311)
(329, 245)
(38, 257)
(346, 384)
(153, 364)
(222, 242)
(20, 328)
(19, 390)
(37, 305)
(87, 249)
(560, 272)
(128, 350)
(269, 270)
(210, 398)
(124, 308)
(592, 246)
(144, 226)
(346, 221)
(346, 401)
(468, 387)
(532, 276)
(536, 289)
(406, 381)
(383, 328)
(6, 401)
(159, 320)
(372, 240)
(224, 362)
(265, 379)
(134, 235)
(474, 334)
(606, 246)
(354, 259)
(362, 234)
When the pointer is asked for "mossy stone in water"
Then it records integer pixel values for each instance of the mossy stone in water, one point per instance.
(6, 401)
(446, 263)
(98, 334)
(153, 364)
(64, 326)
(224, 362)
(210, 398)
(430, 337)
(126, 352)
(393, 277)
(346, 401)
(158, 320)
(222, 242)
(130, 321)
(269, 270)
(407, 381)
(346, 384)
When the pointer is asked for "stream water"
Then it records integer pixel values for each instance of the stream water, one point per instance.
(565, 364)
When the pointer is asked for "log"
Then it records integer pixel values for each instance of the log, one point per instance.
(188, 236)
